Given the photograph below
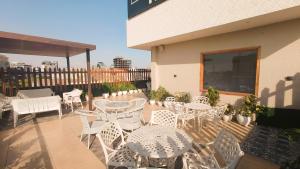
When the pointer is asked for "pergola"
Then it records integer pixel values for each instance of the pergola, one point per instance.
(33, 45)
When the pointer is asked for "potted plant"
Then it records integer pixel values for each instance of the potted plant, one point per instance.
(123, 88)
(228, 113)
(183, 97)
(152, 97)
(131, 88)
(106, 90)
(161, 95)
(249, 109)
(139, 90)
(213, 96)
(113, 90)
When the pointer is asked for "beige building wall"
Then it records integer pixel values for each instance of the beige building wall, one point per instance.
(279, 58)
(178, 20)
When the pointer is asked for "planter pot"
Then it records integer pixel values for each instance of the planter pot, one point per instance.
(139, 90)
(124, 92)
(113, 94)
(243, 120)
(105, 95)
(120, 93)
(159, 103)
(227, 118)
(135, 91)
(152, 102)
(130, 91)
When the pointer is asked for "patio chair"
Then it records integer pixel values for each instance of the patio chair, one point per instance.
(70, 99)
(5, 104)
(200, 99)
(227, 147)
(116, 153)
(169, 102)
(131, 119)
(163, 118)
(215, 114)
(184, 115)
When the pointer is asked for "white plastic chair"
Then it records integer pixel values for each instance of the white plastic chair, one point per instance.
(169, 102)
(72, 98)
(215, 114)
(5, 104)
(89, 128)
(163, 118)
(184, 115)
(116, 153)
(226, 145)
(200, 99)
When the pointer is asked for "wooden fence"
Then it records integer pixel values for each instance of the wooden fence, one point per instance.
(61, 80)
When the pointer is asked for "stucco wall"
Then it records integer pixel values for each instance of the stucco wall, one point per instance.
(280, 57)
(178, 17)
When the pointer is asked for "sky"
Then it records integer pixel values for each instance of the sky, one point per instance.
(99, 22)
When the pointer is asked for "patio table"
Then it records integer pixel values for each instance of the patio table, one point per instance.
(159, 142)
(115, 108)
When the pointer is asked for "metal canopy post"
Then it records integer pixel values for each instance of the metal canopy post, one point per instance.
(68, 67)
(88, 66)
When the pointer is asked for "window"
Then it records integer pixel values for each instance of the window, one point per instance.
(231, 71)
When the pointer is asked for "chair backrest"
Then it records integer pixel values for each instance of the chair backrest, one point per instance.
(228, 147)
(84, 120)
(179, 108)
(170, 99)
(169, 102)
(108, 135)
(163, 118)
(138, 103)
(200, 99)
(221, 110)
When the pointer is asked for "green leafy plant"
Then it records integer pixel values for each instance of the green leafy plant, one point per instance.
(113, 88)
(121, 87)
(152, 95)
(162, 94)
(213, 96)
(130, 86)
(229, 110)
(250, 106)
(184, 97)
(83, 94)
(106, 87)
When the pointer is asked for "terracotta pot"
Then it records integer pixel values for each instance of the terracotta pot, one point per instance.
(227, 118)
(243, 120)
(152, 102)
(113, 94)
(105, 95)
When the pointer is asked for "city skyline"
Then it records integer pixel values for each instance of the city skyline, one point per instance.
(100, 26)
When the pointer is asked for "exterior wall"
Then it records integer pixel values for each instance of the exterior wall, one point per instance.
(279, 58)
(178, 17)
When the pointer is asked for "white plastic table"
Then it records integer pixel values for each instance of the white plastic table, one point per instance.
(159, 142)
(201, 110)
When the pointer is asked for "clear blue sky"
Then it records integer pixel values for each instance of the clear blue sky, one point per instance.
(99, 22)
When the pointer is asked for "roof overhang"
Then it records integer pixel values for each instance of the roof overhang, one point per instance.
(257, 21)
(34, 45)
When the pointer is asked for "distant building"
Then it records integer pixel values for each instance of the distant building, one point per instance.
(48, 64)
(4, 63)
(101, 65)
(19, 65)
(120, 62)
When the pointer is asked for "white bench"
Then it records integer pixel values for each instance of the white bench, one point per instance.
(36, 105)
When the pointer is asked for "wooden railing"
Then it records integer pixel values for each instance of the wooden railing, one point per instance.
(60, 80)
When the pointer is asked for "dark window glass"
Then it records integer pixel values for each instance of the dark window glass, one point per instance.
(232, 71)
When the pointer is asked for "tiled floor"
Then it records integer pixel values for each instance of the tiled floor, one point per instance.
(47, 142)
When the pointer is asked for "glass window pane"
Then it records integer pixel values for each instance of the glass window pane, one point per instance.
(232, 71)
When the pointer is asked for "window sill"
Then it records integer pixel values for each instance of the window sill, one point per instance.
(230, 93)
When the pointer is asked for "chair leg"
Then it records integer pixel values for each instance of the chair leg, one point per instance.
(81, 105)
(15, 119)
(89, 136)
(72, 107)
(81, 136)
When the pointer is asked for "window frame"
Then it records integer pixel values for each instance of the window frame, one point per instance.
(202, 57)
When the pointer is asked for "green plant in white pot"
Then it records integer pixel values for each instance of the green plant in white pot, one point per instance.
(213, 96)
(229, 112)
(152, 96)
(249, 109)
